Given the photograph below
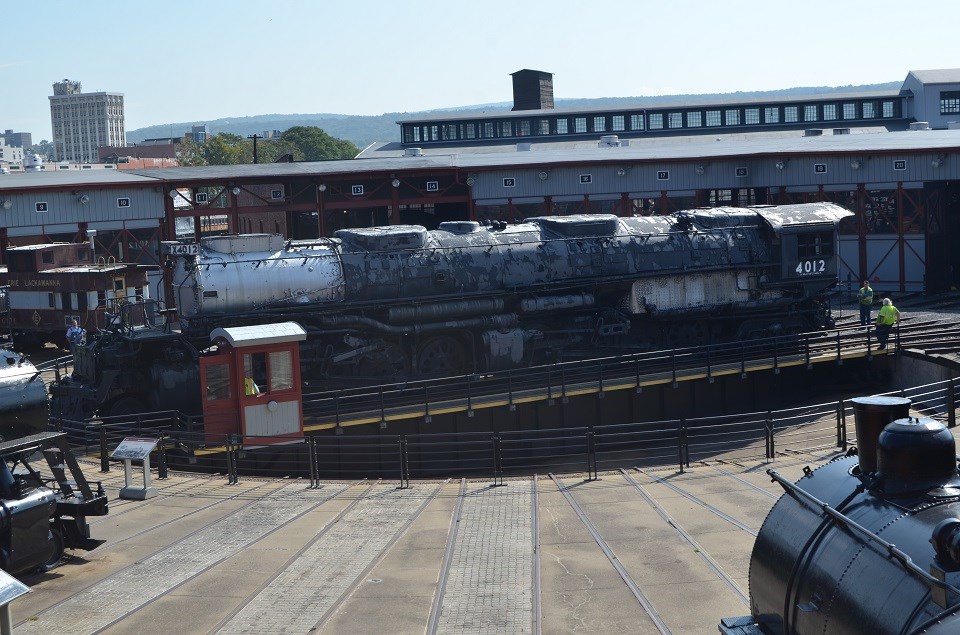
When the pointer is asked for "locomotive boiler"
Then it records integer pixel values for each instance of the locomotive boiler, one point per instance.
(861, 548)
(403, 301)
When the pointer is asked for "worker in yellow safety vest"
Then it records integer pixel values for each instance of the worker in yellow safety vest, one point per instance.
(250, 387)
(889, 315)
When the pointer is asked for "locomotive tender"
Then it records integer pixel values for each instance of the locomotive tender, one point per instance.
(403, 301)
(851, 549)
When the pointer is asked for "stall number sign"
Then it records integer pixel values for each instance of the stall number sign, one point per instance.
(201, 197)
(663, 175)
(276, 194)
(433, 186)
(820, 168)
(41, 207)
(356, 190)
(741, 172)
(900, 165)
(134, 449)
(123, 202)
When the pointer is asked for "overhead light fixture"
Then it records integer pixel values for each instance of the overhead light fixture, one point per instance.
(236, 191)
(544, 175)
(856, 164)
(471, 181)
(780, 164)
(83, 199)
(173, 193)
(322, 187)
(395, 182)
(700, 169)
(621, 171)
(7, 204)
(938, 162)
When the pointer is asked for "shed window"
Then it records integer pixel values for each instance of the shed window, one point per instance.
(949, 102)
(281, 370)
(713, 117)
(218, 382)
(694, 119)
(656, 121)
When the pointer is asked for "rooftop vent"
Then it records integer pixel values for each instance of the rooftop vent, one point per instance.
(841, 131)
(523, 147)
(609, 141)
(413, 152)
(920, 125)
(812, 132)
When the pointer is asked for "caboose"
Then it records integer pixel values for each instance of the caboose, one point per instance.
(51, 285)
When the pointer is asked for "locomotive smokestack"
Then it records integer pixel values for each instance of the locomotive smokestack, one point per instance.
(871, 414)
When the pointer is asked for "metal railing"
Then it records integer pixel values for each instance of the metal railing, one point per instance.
(588, 448)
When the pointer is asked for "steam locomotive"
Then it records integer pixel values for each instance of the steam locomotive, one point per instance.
(402, 301)
(858, 549)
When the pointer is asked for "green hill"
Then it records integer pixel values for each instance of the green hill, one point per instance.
(362, 130)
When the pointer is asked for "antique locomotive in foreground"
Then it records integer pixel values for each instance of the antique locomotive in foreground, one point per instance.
(398, 302)
(864, 544)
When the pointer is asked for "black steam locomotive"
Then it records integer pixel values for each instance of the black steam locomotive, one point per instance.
(866, 544)
(401, 301)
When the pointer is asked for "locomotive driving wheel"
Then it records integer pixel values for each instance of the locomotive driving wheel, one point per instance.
(441, 356)
(686, 335)
(390, 363)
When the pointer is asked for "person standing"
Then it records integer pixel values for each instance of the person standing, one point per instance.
(865, 297)
(889, 315)
(75, 334)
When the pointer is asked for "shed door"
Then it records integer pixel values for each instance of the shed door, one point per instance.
(220, 399)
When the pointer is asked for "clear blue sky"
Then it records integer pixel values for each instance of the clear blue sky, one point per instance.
(178, 60)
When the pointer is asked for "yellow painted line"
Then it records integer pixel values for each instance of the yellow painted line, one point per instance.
(559, 392)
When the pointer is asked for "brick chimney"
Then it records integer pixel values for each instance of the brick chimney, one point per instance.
(532, 90)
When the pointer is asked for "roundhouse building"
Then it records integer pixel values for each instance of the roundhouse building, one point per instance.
(892, 157)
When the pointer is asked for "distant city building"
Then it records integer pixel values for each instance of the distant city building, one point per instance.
(22, 139)
(198, 134)
(84, 122)
(10, 155)
(149, 153)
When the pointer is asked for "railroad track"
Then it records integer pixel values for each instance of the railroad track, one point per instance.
(929, 335)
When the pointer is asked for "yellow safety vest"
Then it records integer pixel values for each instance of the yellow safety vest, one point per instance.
(888, 314)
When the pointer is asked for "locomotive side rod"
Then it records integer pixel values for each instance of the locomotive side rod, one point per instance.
(892, 550)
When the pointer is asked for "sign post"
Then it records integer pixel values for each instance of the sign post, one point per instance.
(136, 449)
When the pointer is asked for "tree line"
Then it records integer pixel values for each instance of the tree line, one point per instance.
(300, 143)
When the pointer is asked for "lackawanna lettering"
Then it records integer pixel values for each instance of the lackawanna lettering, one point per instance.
(33, 282)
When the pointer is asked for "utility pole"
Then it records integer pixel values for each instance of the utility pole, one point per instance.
(254, 136)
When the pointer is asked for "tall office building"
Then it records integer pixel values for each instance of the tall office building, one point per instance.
(83, 122)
